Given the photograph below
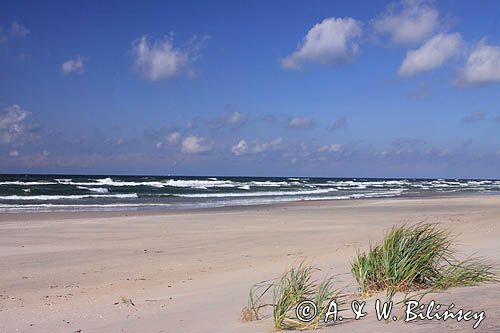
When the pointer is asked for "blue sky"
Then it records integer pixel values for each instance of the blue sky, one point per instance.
(306, 88)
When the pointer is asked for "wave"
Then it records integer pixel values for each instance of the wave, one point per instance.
(269, 183)
(17, 182)
(172, 193)
(213, 182)
(257, 194)
(199, 184)
(68, 197)
(212, 204)
(108, 182)
(77, 208)
(94, 189)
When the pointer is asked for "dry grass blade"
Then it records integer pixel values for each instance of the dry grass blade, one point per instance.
(294, 286)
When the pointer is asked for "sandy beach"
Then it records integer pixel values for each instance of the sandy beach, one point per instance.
(190, 271)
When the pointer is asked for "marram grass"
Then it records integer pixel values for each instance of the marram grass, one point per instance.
(295, 285)
(417, 257)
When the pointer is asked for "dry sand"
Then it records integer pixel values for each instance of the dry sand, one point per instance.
(190, 271)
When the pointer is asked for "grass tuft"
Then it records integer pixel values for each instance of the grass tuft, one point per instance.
(417, 257)
(294, 286)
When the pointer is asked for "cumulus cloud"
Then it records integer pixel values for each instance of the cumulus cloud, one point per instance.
(300, 123)
(160, 59)
(473, 117)
(244, 148)
(195, 145)
(73, 66)
(410, 21)
(329, 42)
(13, 153)
(12, 124)
(483, 65)
(431, 54)
(332, 148)
(339, 123)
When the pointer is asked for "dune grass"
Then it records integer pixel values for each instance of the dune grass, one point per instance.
(294, 286)
(417, 257)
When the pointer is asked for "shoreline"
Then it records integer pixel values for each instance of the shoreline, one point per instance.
(158, 211)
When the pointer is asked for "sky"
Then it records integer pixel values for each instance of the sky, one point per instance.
(258, 88)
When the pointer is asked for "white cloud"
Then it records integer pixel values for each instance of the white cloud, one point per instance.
(329, 43)
(73, 66)
(236, 118)
(243, 148)
(12, 124)
(483, 65)
(159, 59)
(240, 148)
(332, 148)
(195, 145)
(230, 119)
(13, 153)
(171, 139)
(300, 122)
(410, 21)
(431, 54)
(266, 146)
(16, 30)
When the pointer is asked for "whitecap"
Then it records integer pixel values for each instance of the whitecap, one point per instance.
(67, 197)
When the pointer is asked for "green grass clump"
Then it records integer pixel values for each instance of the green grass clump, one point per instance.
(417, 257)
(294, 286)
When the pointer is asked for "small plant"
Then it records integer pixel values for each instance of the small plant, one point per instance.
(417, 257)
(251, 312)
(294, 286)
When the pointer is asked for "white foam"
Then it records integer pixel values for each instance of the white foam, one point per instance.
(199, 183)
(27, 183)
(109, 182)
(79, 208)
(69, 197)
(94, 189)
(257, 194)
(269, 183)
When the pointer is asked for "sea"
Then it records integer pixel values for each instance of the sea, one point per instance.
(49, 193)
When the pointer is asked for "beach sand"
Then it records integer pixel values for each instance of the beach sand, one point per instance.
(190, 271)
